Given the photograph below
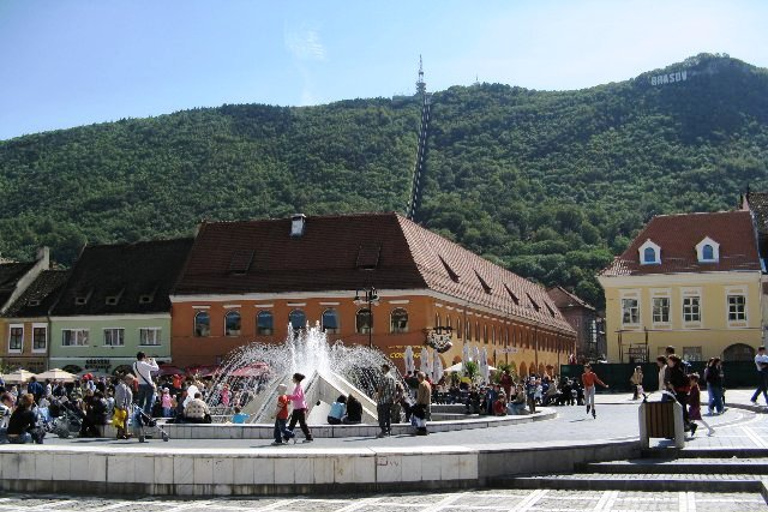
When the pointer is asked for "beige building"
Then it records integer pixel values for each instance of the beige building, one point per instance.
(692, 281)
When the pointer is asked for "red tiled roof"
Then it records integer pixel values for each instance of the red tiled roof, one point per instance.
(329, 255)
(678, 235)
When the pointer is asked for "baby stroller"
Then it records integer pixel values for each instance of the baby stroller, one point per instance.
(146, 426)
(61, 419)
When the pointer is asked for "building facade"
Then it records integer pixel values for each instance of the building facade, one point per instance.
(590, 334)
(375, 279)
(16, 333)
(29, 324)
(114, 304)
(691, 281)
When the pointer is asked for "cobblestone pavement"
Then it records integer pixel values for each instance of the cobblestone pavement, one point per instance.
(474, 501)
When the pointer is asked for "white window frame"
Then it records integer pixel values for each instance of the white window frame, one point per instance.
(19, 350)
(157, 335)
(636, 307)
(734, 291)
(648, 244)
(691, 293)
(656, 322)
(715, 250)
(112, 329)
(76, 331)
(630, 295)
(40, 350)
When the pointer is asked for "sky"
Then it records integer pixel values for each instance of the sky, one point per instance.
(66, 63)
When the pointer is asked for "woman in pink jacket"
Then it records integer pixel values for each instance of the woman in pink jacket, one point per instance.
(299, 409)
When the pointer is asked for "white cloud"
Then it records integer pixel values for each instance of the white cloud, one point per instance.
(304, 43)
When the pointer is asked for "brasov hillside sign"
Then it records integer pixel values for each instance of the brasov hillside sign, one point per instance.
(669, 78)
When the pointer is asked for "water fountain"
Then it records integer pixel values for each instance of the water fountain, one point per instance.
(331, 369)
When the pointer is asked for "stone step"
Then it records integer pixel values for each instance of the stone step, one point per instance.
(689, 466)
(709, 453)
(637, 482)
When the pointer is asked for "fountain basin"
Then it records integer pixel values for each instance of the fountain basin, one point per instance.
(266, 431)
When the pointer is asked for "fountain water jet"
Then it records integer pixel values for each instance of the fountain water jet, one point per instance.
(254, 371)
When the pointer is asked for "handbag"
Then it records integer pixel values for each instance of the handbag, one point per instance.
(119, 417)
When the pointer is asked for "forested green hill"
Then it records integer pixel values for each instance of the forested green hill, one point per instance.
(549, 184)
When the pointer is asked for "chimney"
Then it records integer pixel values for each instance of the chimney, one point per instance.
(298, 222)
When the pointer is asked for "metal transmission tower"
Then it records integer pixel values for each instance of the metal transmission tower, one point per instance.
(418, 173)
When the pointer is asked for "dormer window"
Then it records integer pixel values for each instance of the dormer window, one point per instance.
(650, 253)
(708, 251)
(82, 297)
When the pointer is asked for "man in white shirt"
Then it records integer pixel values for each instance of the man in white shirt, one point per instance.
(143, 368)
(761, 362)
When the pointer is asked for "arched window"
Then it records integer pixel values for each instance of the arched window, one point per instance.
(232, 323)
(364, 321)
(265, 323)
(649, 255)
(298, 319)
(398, 321)
(477, 331)
(331, 321)
(485, 333)
(437, 320)
(468, 331)
(202, 324)
(707, 252)
(493, 334)
(458, 328)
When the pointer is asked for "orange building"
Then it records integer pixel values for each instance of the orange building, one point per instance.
(257, 280)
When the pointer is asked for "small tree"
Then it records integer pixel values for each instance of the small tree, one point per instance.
(471, 370)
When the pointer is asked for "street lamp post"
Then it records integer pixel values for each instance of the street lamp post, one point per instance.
(370, 297)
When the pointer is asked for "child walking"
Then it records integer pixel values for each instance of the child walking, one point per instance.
(589, 378)
(694, 405)
(281, 416)
(299, 413)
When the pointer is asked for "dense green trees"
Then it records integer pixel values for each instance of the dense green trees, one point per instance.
(549, 184)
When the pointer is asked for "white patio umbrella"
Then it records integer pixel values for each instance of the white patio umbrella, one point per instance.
(425, 365)
(18, 376)
(56, 374)
(476, 354)
(410, 367)
(464, 357)
(437, 368)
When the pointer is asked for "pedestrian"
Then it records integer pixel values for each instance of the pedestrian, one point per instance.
(385, 396)
(123, 403)
(589, 379)
(680, 386)
(637, 383)
(761, 363)
(166, 402)
(22, 425)
(661, 362)
(337, 411)
(143, 368)
(281, 432)
(354, 413)
(714, 378)
(6, 409)
(421, 409)
(694, 405)
(299, 413)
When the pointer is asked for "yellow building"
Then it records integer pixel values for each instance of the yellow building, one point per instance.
(692, 281)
